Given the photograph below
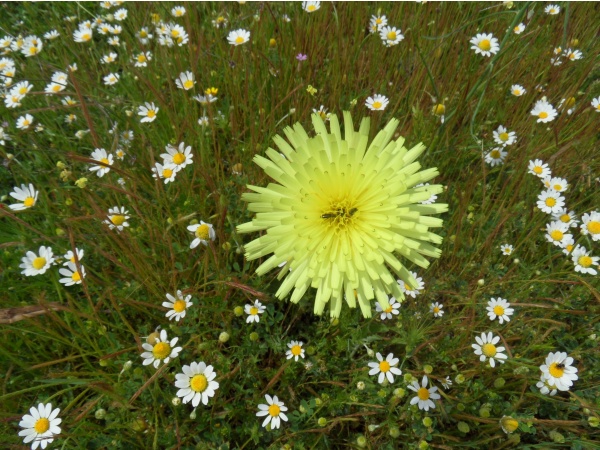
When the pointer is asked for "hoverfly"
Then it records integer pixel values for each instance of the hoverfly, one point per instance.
(560, 366)
(339, 213)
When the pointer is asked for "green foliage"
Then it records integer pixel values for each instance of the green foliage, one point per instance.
(75, 350)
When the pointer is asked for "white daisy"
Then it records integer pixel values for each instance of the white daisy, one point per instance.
(385, 367)
(506, 249)
(556, 233)
(41, 425)
(504, 137)
(178, 306)
(550, 201)
(203, 232)
(311, 6)
(558, 370)
(519, 28)
(558, 184)
(517, 90)
(392, 310)
(185, 81)
(180, 158)
(496, 156)
(178, 11)
(377, 102)
(102, 156)
(253, 311)
(24, 122)
(82, 35)
(436, 309)
(424, 398)
(573, 55)
(238, 37)
(485, 44)
(274, 410)
(486, 349)
(377, 23)
(148, 111)
(552, 10)
(141, 59)
(407, 290)
(295, 350)
(37, 264)
(26, 194)
(196, 383)
(70, 256)
(499, 308)
(111, 79)
(584, 261)
(539, 168)
(390, 35)
(596, 104)
(165, 172)
(71, 274)
(546, 387)
(544, 111)
(591, 225)
(446, 382)
(162, 351)
(120, 14)
(117, 218)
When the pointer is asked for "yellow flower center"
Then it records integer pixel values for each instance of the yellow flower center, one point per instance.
(274, 410)
(584, 261)
(557, 235)
(174, 33)
(104, 160)
(86, 37)
(558, 187)
(550, 201)
(161, 350)
(423, 393)
(489, 350)
(76, 276)
(167, 173)
(376, 105)
(239, 40)
(117, 219)
(199, 383)
(543, 115)
(56, 87)
(598, 107)
(151, 113)
(39, 262)
(253, 311)
(378, 21)
(593, 227)
(29, 202)
(202, 232)
(188, 84)
(23, 91)
(388, 309)
(439, 109)
(143, 34)
(178, 158)
(391, 36)
(538, 170)
(517, 92)
(384, 366)
(311, 8)
(569, 248)
(436, 309)
(41, 425)
(485, 45)
(179, 305)
(141, 58)
(296, 350)
(26, 123)
(495, 154)
(503, 136)
(498, 310)
(556, 371)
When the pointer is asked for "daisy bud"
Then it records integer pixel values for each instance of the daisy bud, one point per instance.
(360, 385)
(399, 392)
(129, 113)
(139, 425)
(484, 411)
(9, 156)
(381, 393)
(460, 378)
(254, 336)
(508, 424)
(361, 441)
(238, 311)
(394, 432)
(193, 414)
(272, 42)
(127, 366)
(176, 401)
(463, 427)
(224, 337)
(318, 401)
(423, 445)
(322, 421)
(557, 437)
(460, 407)
(60, 232)
(427, 369)
(499, 382)
(481, 282)
(427, 422)
(593, 422)
(100, 414)
(516, 261)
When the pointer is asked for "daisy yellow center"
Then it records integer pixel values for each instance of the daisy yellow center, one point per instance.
(167, 173)
(485, 45)
(584, 261)
(39, 262)
(407, 287)
(143, 34)
(598, 107)
(179, 305)
(151, 113)
(378, 21)
(517, 92)
(498, 310)
(202, 232)
(26, 123)
(117, 219)
(178, 158)
(439, 109)
(253, 311)
(86, 37)
(56, 87)
(23, 91)
(569, 248)
(141, 58)
(543, 115)
(507, 251)
(174, 33)
(161, 350)
(41, 425)
(423, 393)
(557, 235)
(76, 277)
(311, 8)
(239, 40)
(550, 201)
(29, 202)
(391, 35)
(436, 309)
(388, 309)
(503, 137)
(556, 371)
(384, 366)
(558, 187)
(376, 105)
(593, 227)
(538, 170)
(296, 350)
(104, 160)
(199, 383)
(489, 350)
(274, 410)
(495, 154)
(188, 84)
(517, 28)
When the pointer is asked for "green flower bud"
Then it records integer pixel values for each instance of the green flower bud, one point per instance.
(139, 425)
(322, 421)
(460, 378)
(460, 407)
(224, 337)
(423, 445)
(100, 414)
(399, 392)
(394, 432)
(254, 336)
(463, 427)
(499, 382)
(427, 369)
(361, 441)
(238, 311)
(593, 422)
(557, 437)
(427, 421)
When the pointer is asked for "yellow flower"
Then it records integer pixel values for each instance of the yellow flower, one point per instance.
(311, 90)
(340, 213)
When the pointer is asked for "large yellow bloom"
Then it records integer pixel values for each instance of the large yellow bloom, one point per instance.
(340, 212)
